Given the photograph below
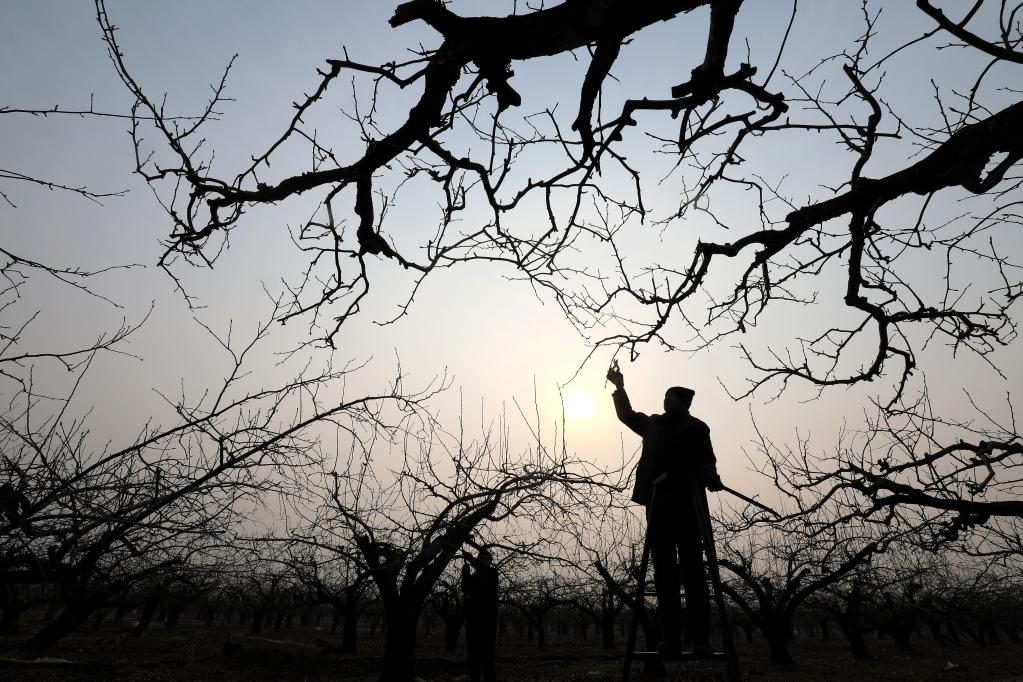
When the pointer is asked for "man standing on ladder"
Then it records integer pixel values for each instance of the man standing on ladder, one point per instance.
(677, 444)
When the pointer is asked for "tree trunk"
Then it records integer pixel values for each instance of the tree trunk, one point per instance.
(953, 634)
(901, 637)
(856, 641)
(65, 623)
(399, 646)
(975, 634)
(428, 620)
(12, 613)
(257, 621)
(148, 610)
(452, 626)
(822, 623)
(349, 641)
(607, 632)
(174, 615)
(777, 645)
(76, 610)
(101, 615)
(11, 608)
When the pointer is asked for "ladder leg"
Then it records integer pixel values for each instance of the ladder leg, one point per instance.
(639, 603)
(707, 531)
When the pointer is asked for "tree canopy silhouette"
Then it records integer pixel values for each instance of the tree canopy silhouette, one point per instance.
(592, 194)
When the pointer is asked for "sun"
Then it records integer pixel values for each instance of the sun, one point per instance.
(578, 405)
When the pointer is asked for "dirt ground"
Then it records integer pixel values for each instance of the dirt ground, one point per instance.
(194, 651)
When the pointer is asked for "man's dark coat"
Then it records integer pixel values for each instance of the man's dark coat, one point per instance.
(672, 444)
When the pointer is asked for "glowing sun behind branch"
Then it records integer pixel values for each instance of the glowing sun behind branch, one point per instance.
(578, 405)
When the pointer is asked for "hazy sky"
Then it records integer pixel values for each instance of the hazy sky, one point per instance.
(492, 335)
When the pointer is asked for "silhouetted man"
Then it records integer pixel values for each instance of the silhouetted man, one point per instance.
(479, 588)
(678, 444)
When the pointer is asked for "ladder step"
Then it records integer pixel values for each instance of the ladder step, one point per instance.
(683, 656)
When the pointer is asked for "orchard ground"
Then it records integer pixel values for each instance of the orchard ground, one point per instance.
(195, 651)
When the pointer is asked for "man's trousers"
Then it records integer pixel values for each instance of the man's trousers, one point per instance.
(676, 547)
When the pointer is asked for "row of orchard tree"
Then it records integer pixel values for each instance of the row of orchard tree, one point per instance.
(269, 498)
(780, 581)
(303, 501)
(294, 490)
(302, 505)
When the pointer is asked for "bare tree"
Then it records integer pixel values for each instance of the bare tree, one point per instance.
(719, 112)
(905, 232)
(613, 550)
(908, 467)
(339, 580)
(601, 605)
(777, 568)
(444, 495)
(607, 556)
(95, 522)
(92, 521)
(536, 593)
(888, 595)
(15, 177)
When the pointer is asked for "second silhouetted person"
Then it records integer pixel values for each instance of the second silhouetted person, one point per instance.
(479, 587)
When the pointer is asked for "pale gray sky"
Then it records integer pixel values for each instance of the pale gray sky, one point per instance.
(492, 335)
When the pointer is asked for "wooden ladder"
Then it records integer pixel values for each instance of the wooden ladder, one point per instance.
(707, 534)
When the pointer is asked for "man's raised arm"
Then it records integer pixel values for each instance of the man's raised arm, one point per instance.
(623, 408)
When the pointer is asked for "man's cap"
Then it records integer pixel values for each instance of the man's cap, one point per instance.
(682, 392)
